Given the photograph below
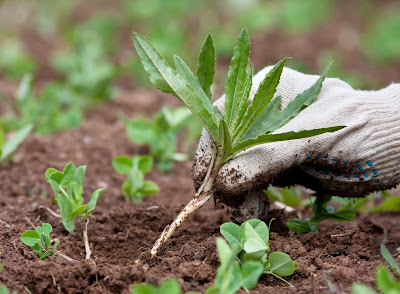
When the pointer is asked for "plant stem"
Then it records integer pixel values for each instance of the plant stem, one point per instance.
(86, 241)
(275, 275)
(202, 196)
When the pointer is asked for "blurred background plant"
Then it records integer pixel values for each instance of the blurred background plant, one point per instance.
(66, 56)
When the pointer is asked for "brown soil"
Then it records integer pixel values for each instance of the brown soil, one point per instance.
(122, 234)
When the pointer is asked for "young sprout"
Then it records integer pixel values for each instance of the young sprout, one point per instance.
(135, 187)
(68, 191)
(39, 240)
(244, 123)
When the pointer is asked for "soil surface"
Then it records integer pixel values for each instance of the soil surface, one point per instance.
(123, 233)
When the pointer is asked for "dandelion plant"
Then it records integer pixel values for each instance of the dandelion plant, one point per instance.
(244, 124)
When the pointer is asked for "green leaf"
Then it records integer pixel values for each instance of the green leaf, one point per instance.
(237, 76)
(122, 164)
(233, 235)
(24, 91)
(12, 144)
(45, 229)
(185, 72)
(77, 212)
(170, 286)
(301, 226)
(30, 238)
(244, 100)
(3, 290)
(268, 138)
(68, 175)
(79, 176)
(46, 254)
(251, 272)
(167, 80)
(294, 107)
(390, 260)
(359, 288)
(258, 127)
(225, 137)
(149, 188)
(206, 65)
(49, 172)
(45, 240)
(262, 98)
(145, 163)
(55, 245)
(139, 130)
(281, 264)
(93, 201)
(384, 279)
(290, 196)
(259, 226)
(254, 248)
(225, 253)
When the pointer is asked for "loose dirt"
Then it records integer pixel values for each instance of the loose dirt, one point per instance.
(123, 233)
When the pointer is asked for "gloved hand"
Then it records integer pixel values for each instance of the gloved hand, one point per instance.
(360, 158)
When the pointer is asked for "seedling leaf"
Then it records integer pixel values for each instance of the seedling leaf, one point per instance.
(167, 80)
(243, 103)
(206, 65)
(261, 100)
(294, 107)
(390, 260)
(122, 164)
(236, 76)
(185, 72)
(233, 235)
(359, 288)
(384, 279)
(281, 264)
(251, 272)
(30, 238)
(12, 144)
(268, 138)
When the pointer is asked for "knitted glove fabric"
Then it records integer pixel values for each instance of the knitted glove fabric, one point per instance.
(360, 158)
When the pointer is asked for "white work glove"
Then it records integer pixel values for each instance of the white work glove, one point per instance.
(360, 158)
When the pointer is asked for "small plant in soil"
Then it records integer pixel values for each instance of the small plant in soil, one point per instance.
(8, 147)
(68, 191)
(244, 124)
(160, 133)
(135, 187)
(55, 108)
(321, 211)
(39, 240)
(251, 241)
(288, 196)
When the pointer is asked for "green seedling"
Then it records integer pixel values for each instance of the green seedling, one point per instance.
(8, 147)
(54, 109)
(385, 282)
(244, 124)
(135, 187)
(14, 62)
(321, 211)
(87, 67)
(161, 133)
(231, 275)
(68, 191)
(251, 241)
(39, 240)
(380, 42)
(288, 196)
